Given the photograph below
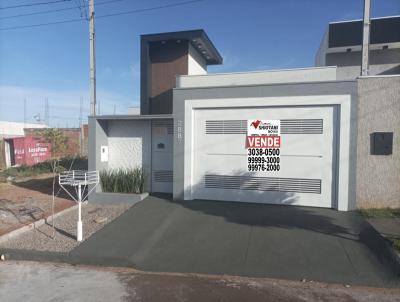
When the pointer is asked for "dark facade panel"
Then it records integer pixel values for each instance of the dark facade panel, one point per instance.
(196, 37)
(163, 57)
(384, 30)
(167, 60)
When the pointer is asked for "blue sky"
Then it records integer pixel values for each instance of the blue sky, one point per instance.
(53, 61)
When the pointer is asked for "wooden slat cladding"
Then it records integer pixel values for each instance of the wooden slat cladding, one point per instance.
(167, 60)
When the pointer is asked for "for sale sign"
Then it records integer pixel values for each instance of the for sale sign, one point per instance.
(264, 127)
(263, 142)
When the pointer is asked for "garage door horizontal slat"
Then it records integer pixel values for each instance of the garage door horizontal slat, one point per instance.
(298, 185)
(292, 126)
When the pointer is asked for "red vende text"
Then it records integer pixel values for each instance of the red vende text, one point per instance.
(263, 142)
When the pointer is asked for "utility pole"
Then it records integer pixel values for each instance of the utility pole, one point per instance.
(46, 112)
(366, 33)
(92, 40)
(81, 127)
(24, 112)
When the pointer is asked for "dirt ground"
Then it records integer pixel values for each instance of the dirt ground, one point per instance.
(173, 287)
(63, 237)
(81, 283)
(28, 200)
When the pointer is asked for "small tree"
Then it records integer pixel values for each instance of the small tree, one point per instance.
(58, 141)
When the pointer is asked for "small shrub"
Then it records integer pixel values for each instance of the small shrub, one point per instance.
(66, 163)
(381, 213)
(122, 180)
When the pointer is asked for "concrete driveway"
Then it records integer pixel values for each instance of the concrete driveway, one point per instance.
(252, 240)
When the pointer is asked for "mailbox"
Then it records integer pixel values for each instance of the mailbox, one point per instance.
(381, 143)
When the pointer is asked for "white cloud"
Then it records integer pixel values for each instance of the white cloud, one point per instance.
(133, 72)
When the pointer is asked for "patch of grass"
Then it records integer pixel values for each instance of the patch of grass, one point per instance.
(79, 163)
(396, 244)
(381, 213)
(122, 180)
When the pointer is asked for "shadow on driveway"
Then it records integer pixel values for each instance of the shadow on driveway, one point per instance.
(255, 240)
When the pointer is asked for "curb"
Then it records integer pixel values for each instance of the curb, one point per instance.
(35, 224)
(106, 198)
(382, 248)
(63, 257)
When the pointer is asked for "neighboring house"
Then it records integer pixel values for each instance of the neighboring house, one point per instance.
(341, 46)
(76, 139)
(30, 146)
(340, 146)
(27, 150)
(11, 130)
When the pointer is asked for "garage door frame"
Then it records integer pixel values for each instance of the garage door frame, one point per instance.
(229, 169)
(344, 194)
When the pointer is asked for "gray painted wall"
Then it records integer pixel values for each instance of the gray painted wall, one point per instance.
(320, 56)
(378, 176)
(279, 90)
(97, 138)
(129, 143)
(258, 77)
(382, 62)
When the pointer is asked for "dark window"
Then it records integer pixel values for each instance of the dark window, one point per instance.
(385, 30)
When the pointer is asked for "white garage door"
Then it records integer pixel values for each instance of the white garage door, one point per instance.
(306, 175)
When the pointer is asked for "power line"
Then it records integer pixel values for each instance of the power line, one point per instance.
(58, 10)
(86, 13)
(149, 9)
(33, 4)
(104, 16)
(39, 13)
(42, 24)
(78, 6)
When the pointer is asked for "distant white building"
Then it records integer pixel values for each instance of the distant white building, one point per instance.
(13, 129)
(133, 110)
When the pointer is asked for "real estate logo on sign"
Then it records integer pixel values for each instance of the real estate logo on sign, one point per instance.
(264, 127)
(263, 134)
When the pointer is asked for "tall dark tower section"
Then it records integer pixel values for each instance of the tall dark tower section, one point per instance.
(167, 55)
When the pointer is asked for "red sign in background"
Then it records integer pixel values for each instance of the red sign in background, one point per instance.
(30, 150)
